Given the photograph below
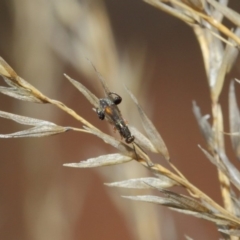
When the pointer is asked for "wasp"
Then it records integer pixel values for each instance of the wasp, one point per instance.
(108, 108)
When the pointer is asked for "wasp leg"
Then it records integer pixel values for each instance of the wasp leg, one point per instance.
(100, 114)
(114, 129)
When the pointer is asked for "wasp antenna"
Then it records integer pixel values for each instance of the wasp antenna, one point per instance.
(101, 78)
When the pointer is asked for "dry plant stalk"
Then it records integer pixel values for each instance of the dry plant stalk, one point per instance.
(205, 18)
(198, 204)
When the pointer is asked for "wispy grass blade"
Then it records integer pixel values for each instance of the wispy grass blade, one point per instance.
(142, 140)
(19, 93)
(89, 95)
(234, 120)
(204, 125)
(154, 199)
(6, 70)
(218, 220)
(234, 173)
(41, 128)
(151, 131)
(22, 119)
(144, 183)
(175, 205)
(38, 131)
(212, 51)
(214, 161)
(225, 166)
(185, 202)
(104, 160)
(20, 88)
(228, 60)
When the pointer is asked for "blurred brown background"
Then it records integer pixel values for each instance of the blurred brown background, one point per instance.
(130, 42)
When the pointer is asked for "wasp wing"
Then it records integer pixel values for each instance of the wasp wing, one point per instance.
(102, 81)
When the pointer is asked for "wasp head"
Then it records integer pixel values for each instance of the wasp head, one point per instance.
(116, 98)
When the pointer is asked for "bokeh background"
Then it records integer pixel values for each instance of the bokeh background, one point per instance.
(132, 43)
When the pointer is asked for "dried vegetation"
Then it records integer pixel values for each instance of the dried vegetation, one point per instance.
(220, 46)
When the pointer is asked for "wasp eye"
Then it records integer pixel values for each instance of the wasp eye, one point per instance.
(116, 99)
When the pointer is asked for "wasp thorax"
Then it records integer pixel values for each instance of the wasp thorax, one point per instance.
(108, 107)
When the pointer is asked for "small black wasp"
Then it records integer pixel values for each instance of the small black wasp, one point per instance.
(108, 108)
